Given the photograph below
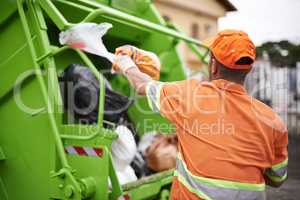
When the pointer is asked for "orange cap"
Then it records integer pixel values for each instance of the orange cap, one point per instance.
(229, 46)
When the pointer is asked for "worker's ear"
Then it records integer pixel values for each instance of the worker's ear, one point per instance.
(214, 69)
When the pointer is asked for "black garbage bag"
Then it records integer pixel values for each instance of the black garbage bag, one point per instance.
(140, 167)
(80, 91)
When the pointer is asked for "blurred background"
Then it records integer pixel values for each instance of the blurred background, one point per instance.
(272, 25)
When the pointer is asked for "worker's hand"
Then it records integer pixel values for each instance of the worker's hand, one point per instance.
(122, 64)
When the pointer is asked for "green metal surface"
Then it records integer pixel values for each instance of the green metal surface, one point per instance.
(34, 134)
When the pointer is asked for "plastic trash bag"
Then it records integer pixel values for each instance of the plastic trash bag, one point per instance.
(161, 154)
(123, 151)
(88, 37)
(126, 175)
(124, 147)
(139, 163)
(140, 166)
(80, 92)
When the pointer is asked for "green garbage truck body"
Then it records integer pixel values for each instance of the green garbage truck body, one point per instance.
(35, 135)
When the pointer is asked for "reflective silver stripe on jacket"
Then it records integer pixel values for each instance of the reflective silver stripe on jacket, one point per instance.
(153, 95)
(209, 190)
(279, 173)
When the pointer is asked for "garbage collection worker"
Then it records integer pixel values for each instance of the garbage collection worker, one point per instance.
(230, 144)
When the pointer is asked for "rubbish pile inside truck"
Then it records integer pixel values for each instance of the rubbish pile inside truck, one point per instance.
(133, 157)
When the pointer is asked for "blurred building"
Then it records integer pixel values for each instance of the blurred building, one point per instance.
(197, 18)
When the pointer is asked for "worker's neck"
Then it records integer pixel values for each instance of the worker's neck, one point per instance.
(238, 81)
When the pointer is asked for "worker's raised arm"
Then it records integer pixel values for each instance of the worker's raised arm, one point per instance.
(142, 70)
(137, 79)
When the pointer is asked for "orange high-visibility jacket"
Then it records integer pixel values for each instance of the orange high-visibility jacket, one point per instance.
(228, 141)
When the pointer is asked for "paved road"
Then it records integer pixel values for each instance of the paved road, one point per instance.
(290, 190)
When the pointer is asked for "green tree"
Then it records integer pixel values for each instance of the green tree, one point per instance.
(281, 54)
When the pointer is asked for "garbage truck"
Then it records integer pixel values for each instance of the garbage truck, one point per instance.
(34, 163)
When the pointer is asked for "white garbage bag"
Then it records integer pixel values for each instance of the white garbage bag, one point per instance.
(123, 151)
(126, 175)
(88, 37)
(124, 147)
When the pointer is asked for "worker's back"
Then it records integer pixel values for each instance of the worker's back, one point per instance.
(227, 140)
(230, 144)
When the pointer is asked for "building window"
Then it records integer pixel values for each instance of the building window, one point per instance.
(195, 30)
(166, 18)
(207, 29)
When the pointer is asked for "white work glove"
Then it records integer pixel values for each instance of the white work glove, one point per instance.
(122, 64)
